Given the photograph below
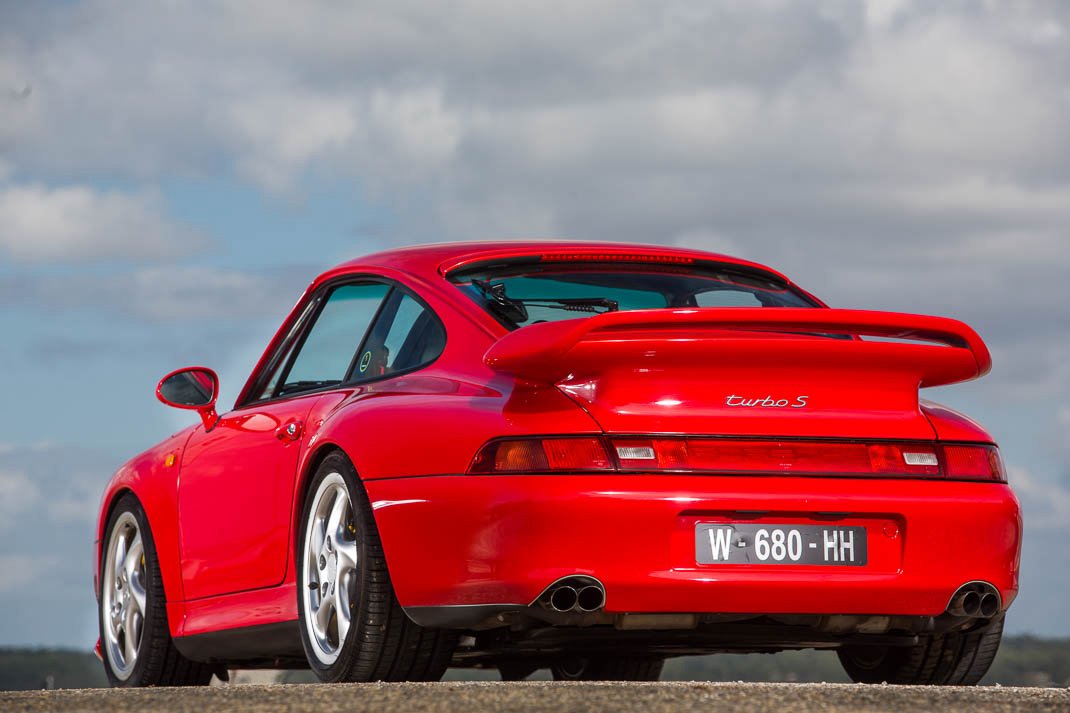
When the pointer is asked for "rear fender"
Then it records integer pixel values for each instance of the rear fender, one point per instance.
(430, 425)
(950, 425)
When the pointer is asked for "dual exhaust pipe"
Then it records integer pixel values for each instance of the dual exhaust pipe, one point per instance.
(585, 595)
(574, 594)
(976, 600)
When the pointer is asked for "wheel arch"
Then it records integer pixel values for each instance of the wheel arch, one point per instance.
(306, 472)
(166, 547)
(107, 507)
(312, 461)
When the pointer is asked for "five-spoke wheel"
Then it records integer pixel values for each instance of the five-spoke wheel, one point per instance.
(352, 626)
(123, 595)
(135, 641)
(330, 584)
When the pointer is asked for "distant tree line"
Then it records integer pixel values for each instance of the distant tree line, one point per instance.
(1022, 661)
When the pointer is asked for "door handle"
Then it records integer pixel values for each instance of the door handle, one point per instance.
(289, 432)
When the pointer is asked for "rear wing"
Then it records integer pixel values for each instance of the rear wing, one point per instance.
(940, 350)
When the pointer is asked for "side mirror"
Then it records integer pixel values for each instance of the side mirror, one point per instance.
(194, 388)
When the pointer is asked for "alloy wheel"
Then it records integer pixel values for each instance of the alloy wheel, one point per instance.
(329, 571)
(123, 595)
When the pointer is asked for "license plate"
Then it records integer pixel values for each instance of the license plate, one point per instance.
(738, 543)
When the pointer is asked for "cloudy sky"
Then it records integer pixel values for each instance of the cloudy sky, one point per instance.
(172, 174)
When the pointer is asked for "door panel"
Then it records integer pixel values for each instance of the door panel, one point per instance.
(234, 499)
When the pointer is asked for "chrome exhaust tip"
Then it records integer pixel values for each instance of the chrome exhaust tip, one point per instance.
(989, 605)
(975, 600)
(971, 603)
(563, 599)
(590, 598)
(575, 594)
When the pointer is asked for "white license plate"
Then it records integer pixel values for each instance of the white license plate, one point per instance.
(747, 543)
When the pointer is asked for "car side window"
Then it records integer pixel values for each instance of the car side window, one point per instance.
(407, 335)
(326, 354)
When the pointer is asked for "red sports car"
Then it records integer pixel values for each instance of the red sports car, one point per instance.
(587, 457)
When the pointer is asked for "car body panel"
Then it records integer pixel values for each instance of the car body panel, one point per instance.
(234, 499)
(257, 607)
(950, 425)
(504, 539)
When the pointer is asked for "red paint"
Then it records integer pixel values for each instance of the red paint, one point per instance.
(252, 608)
(224, 516)
(490, 539)
(234, 499)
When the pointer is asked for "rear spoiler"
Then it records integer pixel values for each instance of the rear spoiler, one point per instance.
(940, 350)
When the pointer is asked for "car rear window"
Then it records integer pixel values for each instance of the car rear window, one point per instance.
(520, 295)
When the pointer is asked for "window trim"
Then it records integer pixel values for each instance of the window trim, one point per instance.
(352, 373)
(324, 299)
(405, 290)
(310, 312)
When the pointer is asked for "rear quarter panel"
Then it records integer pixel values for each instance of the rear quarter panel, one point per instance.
(951, 425)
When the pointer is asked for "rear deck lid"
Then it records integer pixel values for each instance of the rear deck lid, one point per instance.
(789, 372)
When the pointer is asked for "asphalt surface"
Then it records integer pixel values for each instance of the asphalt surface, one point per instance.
(550, 697)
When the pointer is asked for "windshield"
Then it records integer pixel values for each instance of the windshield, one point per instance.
(522, 295)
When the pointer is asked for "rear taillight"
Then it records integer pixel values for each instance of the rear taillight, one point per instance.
(974, 463)
(715, 455)
(737, 456)
(541, 455)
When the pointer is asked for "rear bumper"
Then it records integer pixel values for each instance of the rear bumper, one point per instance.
(501, 540)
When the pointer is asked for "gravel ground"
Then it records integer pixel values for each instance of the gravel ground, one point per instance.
(550, 697)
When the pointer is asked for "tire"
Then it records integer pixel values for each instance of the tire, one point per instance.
(135, 641)
(960, 658)
(609, 668)
(352, 626)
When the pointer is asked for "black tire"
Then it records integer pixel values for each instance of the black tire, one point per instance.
(382, 643)
(960, 658)
(609, 668)
(157, 661)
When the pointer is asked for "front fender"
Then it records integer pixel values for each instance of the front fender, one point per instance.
(155, 484)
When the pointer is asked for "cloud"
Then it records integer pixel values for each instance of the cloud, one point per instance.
(79, 223)
(1046, 504)
(18, 494)
(276, 135)
(45, 482)
(23, 570)
(162, 294)
(49, 495)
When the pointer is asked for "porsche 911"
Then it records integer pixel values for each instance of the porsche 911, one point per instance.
(586, 457)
